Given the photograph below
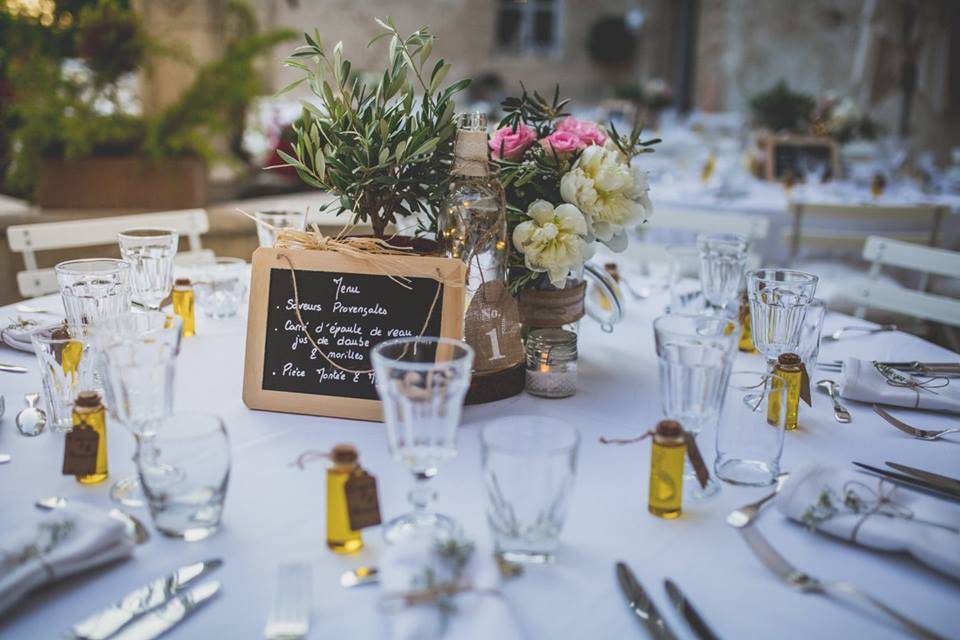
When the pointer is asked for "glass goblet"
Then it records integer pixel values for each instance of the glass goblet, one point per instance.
(93, 289)
(695, 354)
(138, 357)
(150, 253)
(722, 260)
(778, 302)
(267, 235)
(422, 383)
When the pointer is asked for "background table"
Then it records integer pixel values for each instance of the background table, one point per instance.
(275, 512)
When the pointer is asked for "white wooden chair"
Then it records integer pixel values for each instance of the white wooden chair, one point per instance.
(841, 228)
(30, 238)
(917, 303)
(689, 222)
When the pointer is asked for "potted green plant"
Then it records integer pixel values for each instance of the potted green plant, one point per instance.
(383, 147)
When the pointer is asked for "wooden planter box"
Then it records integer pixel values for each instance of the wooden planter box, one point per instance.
(122, 183)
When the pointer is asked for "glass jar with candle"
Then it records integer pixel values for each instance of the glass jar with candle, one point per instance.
(552, 363)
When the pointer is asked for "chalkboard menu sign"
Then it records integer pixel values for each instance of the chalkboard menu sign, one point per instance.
(347, 305)
(797, 156)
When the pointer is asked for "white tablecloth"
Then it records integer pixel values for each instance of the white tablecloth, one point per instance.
(275, 513)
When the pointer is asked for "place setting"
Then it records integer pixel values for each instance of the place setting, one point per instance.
(317, 325)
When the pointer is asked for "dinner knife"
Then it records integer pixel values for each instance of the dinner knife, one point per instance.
(105, 623)
(641, 604)
(948, 483)
(12, 368)
(911, 481)
(688, 611)
(838, 591)
(168, 615)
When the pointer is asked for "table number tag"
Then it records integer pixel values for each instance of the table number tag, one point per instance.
(80, 451)
(363, 503)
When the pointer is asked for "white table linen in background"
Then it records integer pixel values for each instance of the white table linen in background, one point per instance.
(861, 381)
(480, 612)
(890, 518)
(275, 513)
(89, 538)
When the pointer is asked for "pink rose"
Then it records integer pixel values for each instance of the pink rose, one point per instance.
(513, 143)
(561, 142)
(588, 132)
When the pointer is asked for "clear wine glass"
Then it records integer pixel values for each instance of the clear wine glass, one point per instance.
(138, 356)
(722, 260)
(695, 354)
(93, 289)
(778, 303)
(150, 253)
(422, 382)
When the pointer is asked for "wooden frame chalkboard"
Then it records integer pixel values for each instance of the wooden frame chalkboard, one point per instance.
(784, 153)
(350, 305)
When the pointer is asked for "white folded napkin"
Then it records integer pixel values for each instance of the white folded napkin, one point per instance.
(480, 612)
(887, 516)
(40, 547)
(860, 380)
(16, 333)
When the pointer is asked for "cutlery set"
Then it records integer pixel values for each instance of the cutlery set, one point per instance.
(943, 369)
(943, 486)
(153, 609)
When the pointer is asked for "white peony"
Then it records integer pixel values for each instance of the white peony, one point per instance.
(553, 240)
(611, 194)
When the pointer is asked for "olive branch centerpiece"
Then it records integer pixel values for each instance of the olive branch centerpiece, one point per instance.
(383, 147)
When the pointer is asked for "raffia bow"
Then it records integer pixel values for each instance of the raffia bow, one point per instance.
(915, 383)
(877, 501)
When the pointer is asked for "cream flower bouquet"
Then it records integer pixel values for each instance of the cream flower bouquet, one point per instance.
(570, 183)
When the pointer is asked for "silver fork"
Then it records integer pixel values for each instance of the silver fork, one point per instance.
(920, 434)
(739, 518)
(289, 617)
(836, 335)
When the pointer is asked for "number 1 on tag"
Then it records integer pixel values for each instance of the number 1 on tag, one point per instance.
(495, 345)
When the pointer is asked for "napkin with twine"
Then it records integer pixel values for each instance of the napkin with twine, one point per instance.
(438, 591)
(863, 380)
(39, 548)
(874, 513)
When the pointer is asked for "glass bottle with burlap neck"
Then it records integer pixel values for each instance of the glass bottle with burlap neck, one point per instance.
(473, 228)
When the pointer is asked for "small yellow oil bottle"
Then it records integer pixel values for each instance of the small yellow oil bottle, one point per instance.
(666, 470)
(88, 411)
(183, 305)
(746, 322)
(344, 464)
(790, 368)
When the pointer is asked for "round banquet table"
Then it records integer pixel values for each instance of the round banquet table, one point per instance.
(276, 513)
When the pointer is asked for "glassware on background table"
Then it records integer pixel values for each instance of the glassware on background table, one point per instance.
(749, 444)
(810, 330)
(695, 355)
(686, 296)
(184, 469)
(150, 253)
(529, 465)
(722, 260)
(778, 302)
(67, 364)
(422, 382)
(138, 354)
(93, 289)
(278, 220)
(220, 286)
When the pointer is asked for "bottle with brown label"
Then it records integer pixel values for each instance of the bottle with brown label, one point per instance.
(666, 470)
(341, 538)
(90, 433)
(473, 228)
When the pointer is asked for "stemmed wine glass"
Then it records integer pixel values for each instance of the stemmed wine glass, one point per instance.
(723, 257)
(422, 382)
(695, 354)
(138, 352)
(150, 253)
(778, 302)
